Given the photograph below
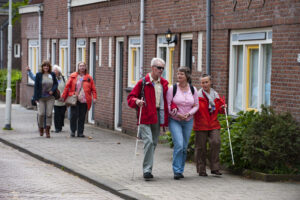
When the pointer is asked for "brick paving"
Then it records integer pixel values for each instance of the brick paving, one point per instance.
(105, 156)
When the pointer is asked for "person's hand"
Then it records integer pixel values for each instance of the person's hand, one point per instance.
(50, 92)
(187, 115)
(174, 111)
(94, 101)
(181, 117)
(224, 106)
(27, 68)
(61, 99)
(139, 102)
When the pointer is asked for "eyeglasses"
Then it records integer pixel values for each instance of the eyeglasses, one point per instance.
(160, 68)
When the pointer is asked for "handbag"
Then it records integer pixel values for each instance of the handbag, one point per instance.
(71, 100)
(56, 94)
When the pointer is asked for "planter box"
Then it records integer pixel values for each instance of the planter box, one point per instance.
(270, 177)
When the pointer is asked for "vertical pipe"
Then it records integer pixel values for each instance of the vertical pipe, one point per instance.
(142, 39)
(208, 35)
(1, 54)
(69, 37)
(40, 34)
(9, 57)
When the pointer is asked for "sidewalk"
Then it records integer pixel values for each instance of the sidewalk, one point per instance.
(106, 160)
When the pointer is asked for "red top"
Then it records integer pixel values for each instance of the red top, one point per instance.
(149, 111)
(203, 119)
(88, 87)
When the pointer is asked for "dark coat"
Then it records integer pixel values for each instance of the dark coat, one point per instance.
(38, 85)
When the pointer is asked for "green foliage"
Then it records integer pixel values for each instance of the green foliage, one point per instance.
(262, 141)
(15, 9)
(16, 75)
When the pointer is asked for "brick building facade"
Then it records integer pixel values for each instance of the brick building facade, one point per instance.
(254, 48)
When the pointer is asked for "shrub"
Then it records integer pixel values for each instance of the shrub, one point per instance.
(16, 75)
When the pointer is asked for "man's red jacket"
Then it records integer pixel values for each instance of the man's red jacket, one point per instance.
(149, 112)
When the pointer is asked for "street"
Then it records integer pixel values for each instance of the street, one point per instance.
(23, 177)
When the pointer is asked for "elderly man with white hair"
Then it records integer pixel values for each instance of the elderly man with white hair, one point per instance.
(149, 94)
(59, 106)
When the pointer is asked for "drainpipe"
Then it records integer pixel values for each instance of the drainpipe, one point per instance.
(142, 39)
(208, 34)
(40, 33)
(69, 37)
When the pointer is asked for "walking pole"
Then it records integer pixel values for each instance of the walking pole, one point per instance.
(229, 137)
(136, 142)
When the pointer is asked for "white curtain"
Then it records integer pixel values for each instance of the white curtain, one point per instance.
(253, 79)
(268, 57)
(238, 106)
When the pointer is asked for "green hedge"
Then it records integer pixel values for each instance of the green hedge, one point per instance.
(16, 75)
(262, 141)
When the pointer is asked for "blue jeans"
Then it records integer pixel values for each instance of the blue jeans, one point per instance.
(181, 132)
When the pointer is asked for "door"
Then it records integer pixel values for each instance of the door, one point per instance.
(92, 68)
(119, 83)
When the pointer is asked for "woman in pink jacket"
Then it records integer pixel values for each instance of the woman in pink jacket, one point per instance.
(182, 99)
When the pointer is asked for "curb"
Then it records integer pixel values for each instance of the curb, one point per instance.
(270, 177)
(107, 185)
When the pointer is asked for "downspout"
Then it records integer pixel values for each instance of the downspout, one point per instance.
(208, 35)
(40, 33)
(69, 37)
(2, 45)
(142, 39)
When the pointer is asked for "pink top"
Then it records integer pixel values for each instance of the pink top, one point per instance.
(185, 101)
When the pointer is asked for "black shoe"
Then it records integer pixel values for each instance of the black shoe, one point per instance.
(202, 174)
(216, 172)
(181, 175)
(72, 134)
(148, 175)
(81, 135)
(177, 176)
(57, 131)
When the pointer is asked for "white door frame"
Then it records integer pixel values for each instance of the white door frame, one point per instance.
(117, 94)
(91, 72)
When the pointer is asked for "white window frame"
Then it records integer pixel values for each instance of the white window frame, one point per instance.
(133, 42)
(48, 49)
(232, 71)
(162, 42)
(109, 51)
(200, 47)
(53, 52)
(184, 37)
(63, 56)
(80, 44)
(100, 52)
(17, 50)
(33, 60)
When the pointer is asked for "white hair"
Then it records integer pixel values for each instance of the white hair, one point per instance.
(155, 61)
(57, 68)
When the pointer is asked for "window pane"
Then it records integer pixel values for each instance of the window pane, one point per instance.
(163, 55)
(253, 97)
(80, 54)
(238, 106)
(134, 64)
(267, 67)
(188, 53)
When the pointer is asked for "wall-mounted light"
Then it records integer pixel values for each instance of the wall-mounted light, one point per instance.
(169, 39)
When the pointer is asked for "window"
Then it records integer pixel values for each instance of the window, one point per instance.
(134, 61)
(100, 52)
(17, 50)
(33, 57)
(53, 53)
(166, 52)
(200, 38)
(80, 51)
(250, 70)
(63, 56)
(186, 50)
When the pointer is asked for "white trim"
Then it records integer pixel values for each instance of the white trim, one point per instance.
(31, 8)
(91, 72)
(75, 3)
(48, 49)
(100, 52)
(33, 44)
(117, 94)
(109, 51)
(184, 37)
(136, 44)
(63, 45)
(53, 52)
(80, 43)
(200, 46)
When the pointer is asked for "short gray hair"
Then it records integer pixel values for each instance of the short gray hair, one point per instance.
(57, 67)
(155, 61)
(205, 75)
